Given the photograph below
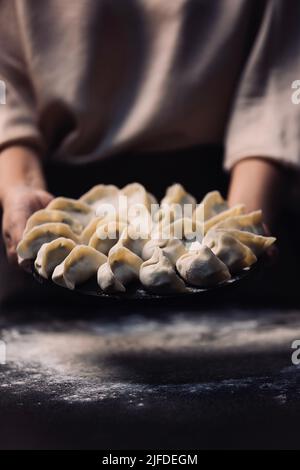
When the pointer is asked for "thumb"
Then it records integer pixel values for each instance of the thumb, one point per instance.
(13, 228)
(44, 198)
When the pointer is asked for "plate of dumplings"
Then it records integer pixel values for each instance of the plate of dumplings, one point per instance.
(123, 243)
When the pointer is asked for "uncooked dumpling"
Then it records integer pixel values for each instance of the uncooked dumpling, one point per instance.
(107, 280)
(136, 194)
(124, 263)
(45, 216)
(211, 205)
(165, 216)
(142, 240)
(214, 209)
(77, 209)
(173, 248)
(100, 195)
(140, 220)
(138, 207)
(184, 229)
(78, 267)
(150, 246)
(257, 243)
(251, 222)
(177, 204)
(106, 236)
(132, 239)
(90, 229)
(229, 213)
(177, 195)
(37, 236)
(52, 254)
(158, 275)
(231, 251)
(202, 268)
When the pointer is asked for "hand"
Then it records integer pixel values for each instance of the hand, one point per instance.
(19, 203)
(272, 253)
(259, 183)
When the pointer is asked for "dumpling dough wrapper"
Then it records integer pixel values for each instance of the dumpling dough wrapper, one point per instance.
(79, 266)
(51, 255)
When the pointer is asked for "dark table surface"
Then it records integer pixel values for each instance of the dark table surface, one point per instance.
(213, 374)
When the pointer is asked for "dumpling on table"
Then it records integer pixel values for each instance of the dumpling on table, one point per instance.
(173, 248)
(176, 204)
(257, 243)
(224, 215)
(77, 209)
(37, 236)
(136, 193)
(150, 246)
(107, 280)
(177, 195)
(158, 275)
(101, 194)
(78, 267)
(45, 216)
(140, 219)
(124, 262)
(132, 239)
(106, 236)
(231, 251)
(165, 216)
(210, 206)
(138, 207)
(251, 222)
(163, 246)
(90, 230)
(202, 268)
(51, 255)
(185, 229)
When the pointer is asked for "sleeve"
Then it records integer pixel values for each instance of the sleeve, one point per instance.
(18, 120)
(265, 119)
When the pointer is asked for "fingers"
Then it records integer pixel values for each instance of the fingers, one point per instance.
(41, 200)
(32, 202)
(13, 228)
(16, 211)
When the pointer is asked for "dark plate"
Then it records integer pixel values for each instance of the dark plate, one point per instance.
(136, 292)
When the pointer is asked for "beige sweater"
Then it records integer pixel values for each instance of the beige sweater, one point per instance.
(89, 78)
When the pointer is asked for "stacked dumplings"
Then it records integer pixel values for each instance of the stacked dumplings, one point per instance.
(123, 237)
